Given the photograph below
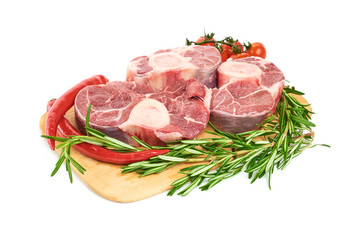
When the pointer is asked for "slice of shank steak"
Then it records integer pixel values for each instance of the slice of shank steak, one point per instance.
(248, 89)
(184, 63)
(125, 109)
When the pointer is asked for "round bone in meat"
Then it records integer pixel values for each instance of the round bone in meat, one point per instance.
(125, 109)
(184, 63)
(248, 89)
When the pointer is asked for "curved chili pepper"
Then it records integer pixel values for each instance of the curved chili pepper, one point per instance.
(65, 129)
(64, 103)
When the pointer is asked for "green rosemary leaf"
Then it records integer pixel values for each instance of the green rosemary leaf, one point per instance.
(285, 147)
(262, 142)
(58, 165)
(293, 91)
(213, 133)
(179, 146)
(300, 109)
(194, 151)
(191, 187)
(250, 165)
(269, 176)
(173, 190)
(87, 120)
(303, 121)
(222, 176)
(323, 145)
(180, 181)
(64, 144)
(258, 175)
(196, 142)
(94, 132)
(88, 139)
(202, 169)
(258, 165)
(171, 159)
(270, 163)
(154, 170)
(142, 143)
(119, 143)
(59, 139)
(68, 169)
(223, 164)
(210, 184)
(184, 170)
(75, 164)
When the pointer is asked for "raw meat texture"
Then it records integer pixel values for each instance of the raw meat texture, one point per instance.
(125, 109)
(248, 89)
(183, 63)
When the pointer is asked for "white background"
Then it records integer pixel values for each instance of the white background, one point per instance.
(47, 47)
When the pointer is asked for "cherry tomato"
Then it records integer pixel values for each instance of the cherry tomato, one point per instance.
(205, 44)
(239, 44)
(240, 55)
(227, 49)
(224, 56)
(258, 50)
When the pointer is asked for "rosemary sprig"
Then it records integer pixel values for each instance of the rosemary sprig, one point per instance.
(93, 137)
(281, 138)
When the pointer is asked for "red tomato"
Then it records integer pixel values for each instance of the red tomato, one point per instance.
(239, 44)
(224, 56)
(240, 55)
(205, 44)
(258, 50)
(227, 49)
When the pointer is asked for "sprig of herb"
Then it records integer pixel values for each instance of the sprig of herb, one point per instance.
(92, 136)
(281, 138)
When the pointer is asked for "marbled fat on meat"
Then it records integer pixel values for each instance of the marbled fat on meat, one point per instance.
(165, 97)
(125, 109)
(248, 89)
(183, 63)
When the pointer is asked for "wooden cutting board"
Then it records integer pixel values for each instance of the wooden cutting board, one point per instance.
(107, 180)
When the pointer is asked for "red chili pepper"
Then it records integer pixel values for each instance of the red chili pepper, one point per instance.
(64, 103)
(65, 129)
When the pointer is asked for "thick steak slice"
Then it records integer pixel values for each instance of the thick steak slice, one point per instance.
(125, 109)
(248, 89)
(184, 63)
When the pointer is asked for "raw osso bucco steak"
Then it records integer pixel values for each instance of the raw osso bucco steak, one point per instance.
(173, 93)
